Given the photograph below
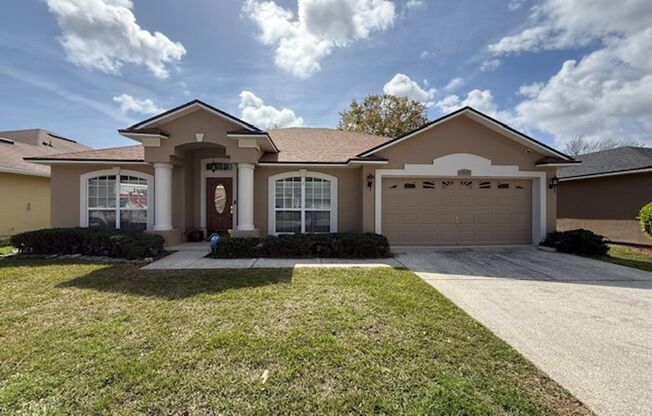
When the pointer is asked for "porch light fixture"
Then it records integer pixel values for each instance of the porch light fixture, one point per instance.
(554, 181)
(199, 137)
(370, 180)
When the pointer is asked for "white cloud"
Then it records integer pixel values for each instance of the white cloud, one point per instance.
(414, 4)
(104, 35)
(129, 103)
(490, 65)
(606, 93)
(455, 83)
(402, 86)
(426, 54)
(254, 111)
(482, 101)
(322, 25)
(561, 24)
(516, 4)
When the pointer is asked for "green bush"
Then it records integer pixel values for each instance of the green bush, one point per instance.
(88, 241)
(645, 216)
(581, 242)
(305, 246)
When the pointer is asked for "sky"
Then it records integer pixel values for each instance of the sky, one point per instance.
(554, 69)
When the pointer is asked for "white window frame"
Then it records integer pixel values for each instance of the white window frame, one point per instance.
(117, 172)
(303, 174)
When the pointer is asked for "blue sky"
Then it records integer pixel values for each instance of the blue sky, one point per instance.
(84, 68)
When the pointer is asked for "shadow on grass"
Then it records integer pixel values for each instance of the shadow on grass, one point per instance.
(636, 264)
(178, 284)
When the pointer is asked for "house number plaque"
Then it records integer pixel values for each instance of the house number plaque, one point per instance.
(464, 172)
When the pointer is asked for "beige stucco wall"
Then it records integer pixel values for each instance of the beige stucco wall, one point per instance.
(459, 135)
(349, 196)
(24, 203)
(65, 190)
(182, 132)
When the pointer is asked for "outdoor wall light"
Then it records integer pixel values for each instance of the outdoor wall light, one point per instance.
(554, 182)
(370, 180)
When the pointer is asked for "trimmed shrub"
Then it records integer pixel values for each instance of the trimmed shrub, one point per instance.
(360, 246)
(88, 241)
(581, 242)
(236, 248)
(645, 216)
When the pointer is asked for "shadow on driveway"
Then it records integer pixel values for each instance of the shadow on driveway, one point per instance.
(518, 263)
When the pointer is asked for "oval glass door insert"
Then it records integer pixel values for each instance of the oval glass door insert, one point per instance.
(220, 198)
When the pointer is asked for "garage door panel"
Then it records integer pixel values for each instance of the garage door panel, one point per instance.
(440, 211)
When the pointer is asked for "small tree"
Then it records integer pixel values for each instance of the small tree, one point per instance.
(645, 216)
(384, 115)
(580, 145)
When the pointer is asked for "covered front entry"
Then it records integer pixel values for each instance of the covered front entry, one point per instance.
(456, 211)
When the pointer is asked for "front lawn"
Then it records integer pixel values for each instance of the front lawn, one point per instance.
(93, 339)
(636, 257)
(5, 247)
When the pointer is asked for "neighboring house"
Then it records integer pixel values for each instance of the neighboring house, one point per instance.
(25, 187)
(606, 192)
(462, 179)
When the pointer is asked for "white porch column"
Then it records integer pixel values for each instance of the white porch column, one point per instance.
(162, 196)
(245, 202)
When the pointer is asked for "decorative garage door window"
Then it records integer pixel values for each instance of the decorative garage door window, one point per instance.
(117, 201)
(303, 204)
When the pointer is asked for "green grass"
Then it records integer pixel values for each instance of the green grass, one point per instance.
(98, 339)
(5, 247)
(638, 258)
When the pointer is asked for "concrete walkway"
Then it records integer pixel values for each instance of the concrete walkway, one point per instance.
(586, 323)
(193, 256)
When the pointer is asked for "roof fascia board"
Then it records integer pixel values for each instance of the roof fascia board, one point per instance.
(545, 165)
(23, 172)
(85, 161)
(350, 163)
(601, 175)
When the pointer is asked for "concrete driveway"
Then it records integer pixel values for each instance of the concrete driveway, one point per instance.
(586, 323)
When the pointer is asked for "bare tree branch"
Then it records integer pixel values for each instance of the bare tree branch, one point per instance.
(580, 145)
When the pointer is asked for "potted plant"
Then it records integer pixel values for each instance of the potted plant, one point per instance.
(195, 235)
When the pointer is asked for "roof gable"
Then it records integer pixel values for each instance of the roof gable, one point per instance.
(186, 109)
(483, 119)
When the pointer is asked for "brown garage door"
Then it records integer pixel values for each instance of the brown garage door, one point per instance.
(440, 211)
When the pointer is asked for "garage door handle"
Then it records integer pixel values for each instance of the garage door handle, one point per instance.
(457, 220)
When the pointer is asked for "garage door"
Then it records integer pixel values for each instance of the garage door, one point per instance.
(440, 211)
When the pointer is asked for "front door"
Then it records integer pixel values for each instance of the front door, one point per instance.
(219, 201)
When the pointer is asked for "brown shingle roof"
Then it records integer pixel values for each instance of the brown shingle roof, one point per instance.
(18, 144)
(113, 154)
(309, 145)
(319, 145)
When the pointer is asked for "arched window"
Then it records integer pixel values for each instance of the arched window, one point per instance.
(302, 202)
(116, 199)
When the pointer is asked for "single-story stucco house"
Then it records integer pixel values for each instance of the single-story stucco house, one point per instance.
(25, 187)
(606, 192)
(462, 179)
